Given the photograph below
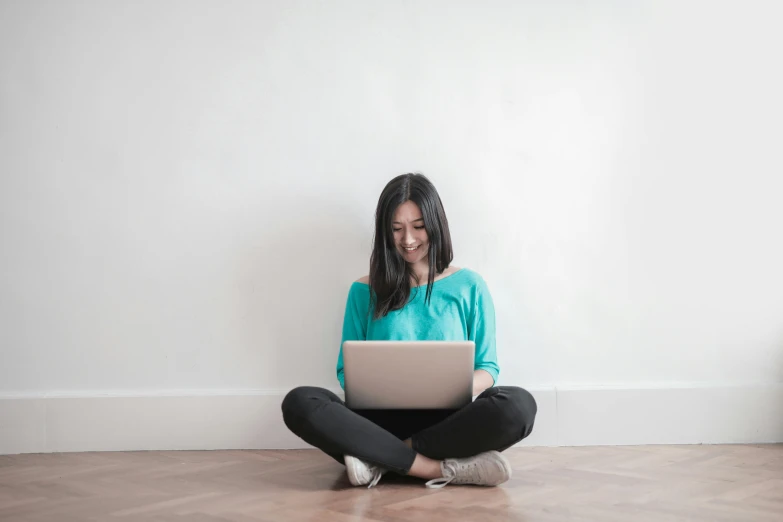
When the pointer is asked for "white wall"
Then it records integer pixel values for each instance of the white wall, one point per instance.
(187, 188)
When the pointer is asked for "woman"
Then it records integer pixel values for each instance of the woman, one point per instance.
(412, 245)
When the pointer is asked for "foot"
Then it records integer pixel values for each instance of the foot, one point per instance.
(361, 473)
(485, 469)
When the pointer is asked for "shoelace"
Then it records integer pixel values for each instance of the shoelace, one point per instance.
(439, 482)
(376, 476)
(449, 474)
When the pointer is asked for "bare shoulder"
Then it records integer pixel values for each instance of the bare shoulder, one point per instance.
(364, 279)
(446, 273)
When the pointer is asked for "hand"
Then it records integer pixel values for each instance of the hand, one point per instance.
(481, 381)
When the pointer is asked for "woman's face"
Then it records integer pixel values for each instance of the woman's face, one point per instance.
(410, 237)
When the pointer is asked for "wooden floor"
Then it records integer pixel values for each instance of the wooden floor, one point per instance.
(644, 483)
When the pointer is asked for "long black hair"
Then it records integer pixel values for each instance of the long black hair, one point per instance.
(390, 274)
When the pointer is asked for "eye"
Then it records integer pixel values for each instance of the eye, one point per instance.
(418, 228)
(396, 229)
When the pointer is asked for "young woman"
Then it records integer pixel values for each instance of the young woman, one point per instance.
(412, 248)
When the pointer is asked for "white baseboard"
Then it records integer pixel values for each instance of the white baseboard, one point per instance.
(251, 419)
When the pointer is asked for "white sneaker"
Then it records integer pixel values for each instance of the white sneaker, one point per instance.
(361, 473)
(485, 469)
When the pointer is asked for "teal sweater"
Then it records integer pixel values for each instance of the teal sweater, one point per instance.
(460, 309)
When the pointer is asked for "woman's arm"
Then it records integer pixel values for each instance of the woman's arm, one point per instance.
(354, 322)
(481, 329)
(481, 381)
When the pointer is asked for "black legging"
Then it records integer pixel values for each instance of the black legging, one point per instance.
(499, 418)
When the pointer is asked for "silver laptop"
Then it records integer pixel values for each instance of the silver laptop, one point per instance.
(408, 374)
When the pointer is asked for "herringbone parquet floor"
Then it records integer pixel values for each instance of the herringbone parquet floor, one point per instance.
(644, 483)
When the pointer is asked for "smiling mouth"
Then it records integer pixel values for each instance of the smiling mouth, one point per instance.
(411, 249)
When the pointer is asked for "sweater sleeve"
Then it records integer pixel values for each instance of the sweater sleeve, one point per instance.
(354, 322)
(482, 332)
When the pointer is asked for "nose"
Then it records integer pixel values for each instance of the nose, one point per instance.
(408, 239)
